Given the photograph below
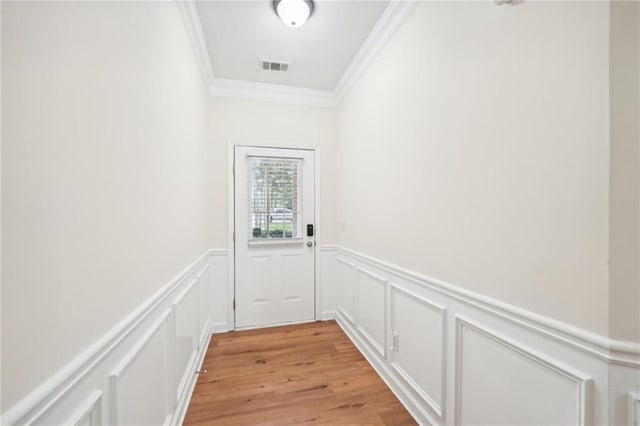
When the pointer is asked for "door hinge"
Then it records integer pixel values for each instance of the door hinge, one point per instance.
(234, 237)
(234, 304)
(233, 169)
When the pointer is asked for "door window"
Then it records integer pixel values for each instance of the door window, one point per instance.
(275, 198)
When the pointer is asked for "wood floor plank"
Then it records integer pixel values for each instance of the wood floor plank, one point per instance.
(304, 373)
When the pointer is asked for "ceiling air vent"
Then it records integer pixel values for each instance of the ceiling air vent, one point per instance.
(274, 65)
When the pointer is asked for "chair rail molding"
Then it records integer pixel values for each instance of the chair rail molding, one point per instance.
(579, 379)
(85, 390)
(455, 356)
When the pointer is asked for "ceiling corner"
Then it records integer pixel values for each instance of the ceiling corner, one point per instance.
(386, 26)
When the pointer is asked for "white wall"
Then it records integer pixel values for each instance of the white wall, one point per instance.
(625, 176)
(104, 174)
(248, 122)
(475, 149)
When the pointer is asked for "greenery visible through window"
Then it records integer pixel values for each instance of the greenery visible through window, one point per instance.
(275, 198)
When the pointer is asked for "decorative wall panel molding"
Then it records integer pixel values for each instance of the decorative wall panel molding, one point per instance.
(346, 274)
(453, 356)
(89, 412)
(372, 298)
(634, 408)
(433, 331)
(146, 367)
(141, 357)
(549, 392)
(418, 330)
(185, 335)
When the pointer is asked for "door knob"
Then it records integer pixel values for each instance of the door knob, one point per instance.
(309, 243)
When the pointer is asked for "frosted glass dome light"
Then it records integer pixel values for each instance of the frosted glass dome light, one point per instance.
(294, 13)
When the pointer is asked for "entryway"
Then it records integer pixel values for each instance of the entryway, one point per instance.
(274, 236)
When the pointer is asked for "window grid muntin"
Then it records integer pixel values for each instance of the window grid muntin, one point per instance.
(275, 198)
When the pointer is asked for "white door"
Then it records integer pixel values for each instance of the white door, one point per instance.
(274, 236)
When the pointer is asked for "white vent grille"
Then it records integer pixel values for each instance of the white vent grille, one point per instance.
(274, 65)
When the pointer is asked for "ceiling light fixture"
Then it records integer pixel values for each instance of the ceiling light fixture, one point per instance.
(294, 13)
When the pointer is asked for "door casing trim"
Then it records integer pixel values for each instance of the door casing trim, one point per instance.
(231, 211)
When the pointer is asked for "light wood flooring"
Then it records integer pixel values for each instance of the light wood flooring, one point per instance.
(305, 373)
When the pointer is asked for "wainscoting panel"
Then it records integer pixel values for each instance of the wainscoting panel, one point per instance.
(143, 371)
(370, 310)
(419, 345)
(327, 283)
(139, 385)
(185, 338)
(204, 295)
(452, 356)
(487, 367)
(346, 276)
(221, 291)
(89, 413)
(634, 409)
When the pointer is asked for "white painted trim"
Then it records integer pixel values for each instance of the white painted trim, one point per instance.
(581, 380)
(176, 301)
(633, 401)
(45, 396)
(438, 408)
(91, 407)
(386, 374)
(381, 349)
(346, 262)
(220, 327)
(231, 247)
(183, 382)
(271, 93)
(278, 324)
(328, 315)
(615, 352)
(123, 365)
(340, 309)
(193, 25)
(231, 214)
(207, 325)
(183, 403)
(390, 21)
(317, 223)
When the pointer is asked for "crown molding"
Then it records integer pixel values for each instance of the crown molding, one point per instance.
(389, 22)
(193, 24)
(223, 87)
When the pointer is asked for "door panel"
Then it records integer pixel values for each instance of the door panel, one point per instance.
(275, 259)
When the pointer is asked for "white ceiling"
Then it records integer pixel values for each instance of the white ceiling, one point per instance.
(238, 34)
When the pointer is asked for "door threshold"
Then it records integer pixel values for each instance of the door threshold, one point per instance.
(279, 324)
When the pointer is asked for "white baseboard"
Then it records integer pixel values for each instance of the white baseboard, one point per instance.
(327, 315)
(385, 373)
(165, 339)
(450, 355)
(221, 327)
(454, 357)
(183, 404)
